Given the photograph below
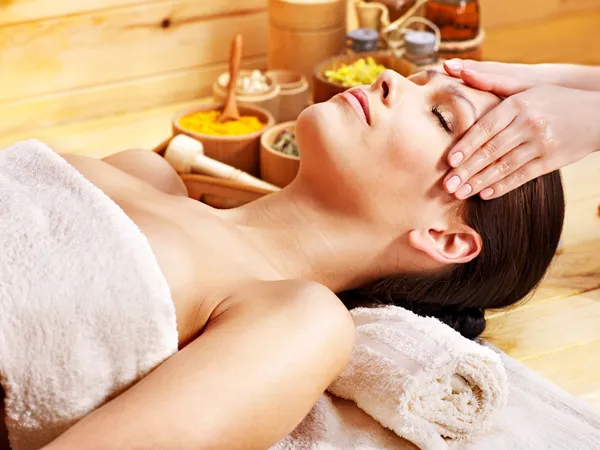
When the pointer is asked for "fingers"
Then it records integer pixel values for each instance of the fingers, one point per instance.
(500, 85)
(483, 131)
(528, 172)
(498, 171)
(481, 76)
(509, 139)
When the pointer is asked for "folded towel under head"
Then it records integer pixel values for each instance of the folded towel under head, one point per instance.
(421, 379)
(84, 308)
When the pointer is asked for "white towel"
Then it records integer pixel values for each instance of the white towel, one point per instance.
(84, 308)
(538, 415)
(421, 379)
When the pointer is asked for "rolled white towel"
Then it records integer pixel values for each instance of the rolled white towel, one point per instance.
(422, 379)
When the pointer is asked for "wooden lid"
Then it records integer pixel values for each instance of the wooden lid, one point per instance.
(307, 15)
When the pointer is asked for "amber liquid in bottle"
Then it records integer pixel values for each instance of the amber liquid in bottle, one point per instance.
(457, 20)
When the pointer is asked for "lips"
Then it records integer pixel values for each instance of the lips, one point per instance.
(360, 102)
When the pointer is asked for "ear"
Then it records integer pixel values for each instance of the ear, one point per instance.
(457, 246)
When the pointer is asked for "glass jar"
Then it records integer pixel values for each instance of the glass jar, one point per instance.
(459, 23)
(419, 51)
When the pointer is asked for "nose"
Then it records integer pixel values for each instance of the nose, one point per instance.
(391, 85)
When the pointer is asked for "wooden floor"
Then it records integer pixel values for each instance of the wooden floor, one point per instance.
(557, 332)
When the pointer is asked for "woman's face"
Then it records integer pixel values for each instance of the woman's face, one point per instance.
(383, 147)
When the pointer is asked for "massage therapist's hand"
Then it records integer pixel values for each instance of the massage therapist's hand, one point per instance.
(535, 130)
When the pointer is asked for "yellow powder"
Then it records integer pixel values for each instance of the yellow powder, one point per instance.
(207, 122)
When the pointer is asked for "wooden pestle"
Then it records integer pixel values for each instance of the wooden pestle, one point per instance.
(230, 110)
(186, 155)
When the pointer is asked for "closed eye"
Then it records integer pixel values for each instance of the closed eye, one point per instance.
(445, 123)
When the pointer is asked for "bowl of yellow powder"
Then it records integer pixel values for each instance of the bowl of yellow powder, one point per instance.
(236, 143)
(339, 73)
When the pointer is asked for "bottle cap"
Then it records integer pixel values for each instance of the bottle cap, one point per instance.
(363, 39)
(419, 42)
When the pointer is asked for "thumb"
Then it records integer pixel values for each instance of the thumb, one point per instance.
(500, 85)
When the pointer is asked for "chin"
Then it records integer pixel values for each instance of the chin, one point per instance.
(321, 126)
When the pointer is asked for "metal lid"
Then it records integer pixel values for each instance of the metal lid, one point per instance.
(363, 34)
(419, 42)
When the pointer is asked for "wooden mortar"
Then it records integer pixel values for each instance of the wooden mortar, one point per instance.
(275, 167)
(237, 151)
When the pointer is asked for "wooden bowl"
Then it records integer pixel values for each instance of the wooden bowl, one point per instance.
(237, 151)
(323, 89)
(275, 167)
(268, 99)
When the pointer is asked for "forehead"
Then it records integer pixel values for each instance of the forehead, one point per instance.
(435, 80)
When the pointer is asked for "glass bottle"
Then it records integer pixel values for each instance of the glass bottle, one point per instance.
(458, 21)
(419, 51)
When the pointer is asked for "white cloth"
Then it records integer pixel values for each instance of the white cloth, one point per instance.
(84, 308)
(410, 393)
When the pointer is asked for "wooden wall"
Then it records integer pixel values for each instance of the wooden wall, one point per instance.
(69, 60)
(65, 60)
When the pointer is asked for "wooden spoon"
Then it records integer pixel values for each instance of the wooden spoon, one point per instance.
(230, 111)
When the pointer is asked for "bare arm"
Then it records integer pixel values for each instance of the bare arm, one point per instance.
(245, 383)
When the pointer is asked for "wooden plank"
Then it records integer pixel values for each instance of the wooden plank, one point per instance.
(529, 332)
(496, 13)
(105, 136)
(582, 223)
(582, 179)
(17, 11)
(12, 12)
(575, 271)
(567, 38)
(113, 98)
(593, 398)
(121, 44)
(578, 5)
(574, 369)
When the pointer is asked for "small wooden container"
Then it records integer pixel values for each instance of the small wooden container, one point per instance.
(302, 33)
(268, 100)
(293, 96)
(323, 89)
(237, 151)
(275, 167)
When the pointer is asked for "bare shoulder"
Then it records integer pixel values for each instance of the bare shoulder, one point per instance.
(282, 294)
(142, 165)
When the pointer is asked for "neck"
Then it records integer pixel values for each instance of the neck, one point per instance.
(297, 232)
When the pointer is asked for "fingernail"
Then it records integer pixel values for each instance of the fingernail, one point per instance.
(486, 193)
(452, 183)
(455, 64)
(464, 191)
(456, 159)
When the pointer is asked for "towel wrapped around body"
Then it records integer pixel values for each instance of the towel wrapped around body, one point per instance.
(84, 309)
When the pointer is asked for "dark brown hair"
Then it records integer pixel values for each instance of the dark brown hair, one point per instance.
(520, 233)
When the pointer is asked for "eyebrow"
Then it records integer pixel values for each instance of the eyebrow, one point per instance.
(455, 91)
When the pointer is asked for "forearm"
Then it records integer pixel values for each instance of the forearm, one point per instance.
(568, 75)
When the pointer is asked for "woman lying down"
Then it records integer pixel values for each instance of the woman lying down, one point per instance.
(261, 332)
